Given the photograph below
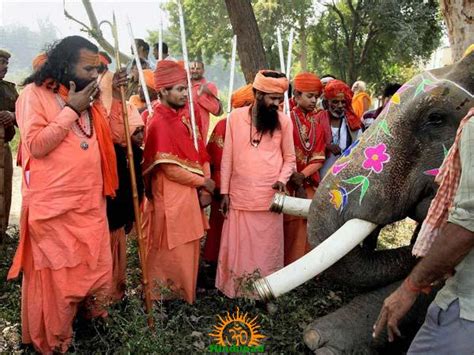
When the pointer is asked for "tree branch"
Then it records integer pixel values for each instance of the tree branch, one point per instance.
(94, 30)
(370, 36)
(343, 22)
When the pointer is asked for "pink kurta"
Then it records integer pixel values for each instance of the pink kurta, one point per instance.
(252, 237)
(64, 247)
(206, 103)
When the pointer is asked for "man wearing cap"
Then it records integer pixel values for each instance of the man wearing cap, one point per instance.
(258, 160)
(8, 96)
(308, 137)
(205, 95)
(69, 167)
(240, 98)
(177, 186)
(340, 124)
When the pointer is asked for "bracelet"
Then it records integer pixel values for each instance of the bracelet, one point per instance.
(73, 108)
(413, 288)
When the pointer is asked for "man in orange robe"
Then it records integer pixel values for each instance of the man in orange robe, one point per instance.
(258, 160)
(177, 184)
(310, 145)
(69, 168)
(240, 98)
(340, 124)
(139, 100)
(361, 101)
(205, 96)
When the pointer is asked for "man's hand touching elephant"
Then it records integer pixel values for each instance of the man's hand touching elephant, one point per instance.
(393, 310)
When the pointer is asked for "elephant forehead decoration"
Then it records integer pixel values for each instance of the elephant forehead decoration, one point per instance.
(373, 155)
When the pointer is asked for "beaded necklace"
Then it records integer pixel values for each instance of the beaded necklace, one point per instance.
(307, 141)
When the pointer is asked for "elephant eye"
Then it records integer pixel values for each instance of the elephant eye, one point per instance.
(435, 120)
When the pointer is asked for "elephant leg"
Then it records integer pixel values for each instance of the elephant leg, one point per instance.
(348, 330)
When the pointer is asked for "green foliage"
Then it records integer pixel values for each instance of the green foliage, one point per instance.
(378, 41)
(374, 40)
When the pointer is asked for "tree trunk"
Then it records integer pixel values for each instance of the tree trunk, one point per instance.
(459, 18)
(249, 42)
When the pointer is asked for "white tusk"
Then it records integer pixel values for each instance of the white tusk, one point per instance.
(316, 261)
(292, 206)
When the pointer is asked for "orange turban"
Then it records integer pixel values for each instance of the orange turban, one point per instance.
(149, 78)
(103, 59)
(168, 73)
(242, 96)
(270, 85)
(39, 61)
(307, 82)
(335, 87)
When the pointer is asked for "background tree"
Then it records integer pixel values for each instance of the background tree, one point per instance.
(367, 39)
(459, 18)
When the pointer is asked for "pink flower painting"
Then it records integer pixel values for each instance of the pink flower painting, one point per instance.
(376, 157)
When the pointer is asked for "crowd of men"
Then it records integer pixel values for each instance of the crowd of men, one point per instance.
(76, 192)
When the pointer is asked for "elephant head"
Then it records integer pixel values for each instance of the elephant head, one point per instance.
(385, 176)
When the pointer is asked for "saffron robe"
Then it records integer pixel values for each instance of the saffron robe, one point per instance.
(64, 248)
(252, 237)
(206, 103)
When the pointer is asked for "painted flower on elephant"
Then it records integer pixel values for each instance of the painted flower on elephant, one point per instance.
(337, 168)
(350, 148)
(376, 157)
(338, 198)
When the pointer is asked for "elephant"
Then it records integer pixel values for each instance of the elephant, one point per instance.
(386, 175)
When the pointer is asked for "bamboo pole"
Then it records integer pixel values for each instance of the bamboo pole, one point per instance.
(186, 65)
(141, 77)
(286, 102)
(232, 72)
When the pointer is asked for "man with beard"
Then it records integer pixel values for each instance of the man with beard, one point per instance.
(205, 95)
(8, 96)
(340, 124)
(69, 168)
(177, 185)
(258, 160)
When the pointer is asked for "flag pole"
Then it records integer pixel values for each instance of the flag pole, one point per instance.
(288, 65)
(286, 102)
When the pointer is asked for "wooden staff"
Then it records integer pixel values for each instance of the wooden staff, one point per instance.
(232, 72)
(141, 77)
(133, 180)
(186, 65)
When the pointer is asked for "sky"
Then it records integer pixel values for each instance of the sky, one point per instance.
(144, 15)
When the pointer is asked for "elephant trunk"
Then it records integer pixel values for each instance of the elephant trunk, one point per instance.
(371, 269)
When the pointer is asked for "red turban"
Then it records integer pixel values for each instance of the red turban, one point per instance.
(268, 84)
(149, 78)
(242, 96)
(307, 82)
(335, 87)
(168, 73)
(103, 59)
(39, 61)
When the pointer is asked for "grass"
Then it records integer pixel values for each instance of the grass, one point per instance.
(180, 328)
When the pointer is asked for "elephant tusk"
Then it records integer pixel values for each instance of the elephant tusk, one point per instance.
(292, 206)
(316, 261)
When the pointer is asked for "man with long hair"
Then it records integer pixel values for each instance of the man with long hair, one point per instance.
(69, 168)
(258, 160)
